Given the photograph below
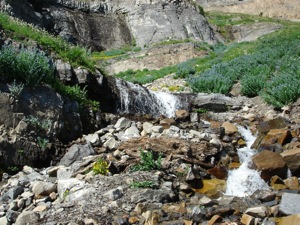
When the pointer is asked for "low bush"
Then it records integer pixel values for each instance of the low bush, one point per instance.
(148, 162)
(29, 66)
(282, 90)
(184, 70)
(211, 83)
(143, 184)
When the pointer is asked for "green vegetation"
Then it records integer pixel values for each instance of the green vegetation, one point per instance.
(143, 184)
(15, 89)
(18, 30)
(101, 167)
(148, 162)
(115, 53)
(41, 125)
(42, 143)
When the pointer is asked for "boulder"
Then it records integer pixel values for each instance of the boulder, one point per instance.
(292, 159)
(290, 204)
(123, 123)
(270, 164)
(76, 153)
(28, 217)
(229, 128)
(42, 188)
(290, 220)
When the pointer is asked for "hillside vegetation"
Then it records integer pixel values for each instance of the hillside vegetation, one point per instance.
(268, 67)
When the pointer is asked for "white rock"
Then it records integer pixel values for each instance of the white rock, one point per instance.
(147, 127)
(122, 123)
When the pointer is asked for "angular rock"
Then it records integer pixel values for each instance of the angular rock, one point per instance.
(270, 164)
(76, 153)
(28, 217)
(290, 204)
(258, 211)
(123, 123)
(292, 159)
(290, 220)
(147, 127)
(229, 128)
(111, 143)
(93, 139)
(42, 188)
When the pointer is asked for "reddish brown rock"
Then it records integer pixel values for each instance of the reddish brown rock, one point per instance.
(266, 126)
(218, 172)
(270, 164)
(167, 122)
(292, 183)
(292, 159)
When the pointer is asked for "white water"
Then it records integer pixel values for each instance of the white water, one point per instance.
(245, 181)
(137, 99)
(169, 103)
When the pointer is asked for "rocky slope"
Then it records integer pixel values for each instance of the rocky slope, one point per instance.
(269, 8)
(111, 24)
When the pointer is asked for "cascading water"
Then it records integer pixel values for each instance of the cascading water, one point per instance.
(138, 99)
(245, 181)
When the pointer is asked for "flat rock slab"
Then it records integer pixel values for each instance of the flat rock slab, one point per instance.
(290, 204)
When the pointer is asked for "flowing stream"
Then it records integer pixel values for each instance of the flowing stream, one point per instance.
(245, 181)
(138, 99)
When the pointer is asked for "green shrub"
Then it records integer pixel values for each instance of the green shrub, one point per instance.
(15, 89)
(184, 70)
(252, 85)
(29, 66)
(211, 83)
(143, 184)
(282, 90)
(148, 162)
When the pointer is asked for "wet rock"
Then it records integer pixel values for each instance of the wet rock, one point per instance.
(292, 159)
(76, 152)
(270, 164)
(212, 188)
(290, 204)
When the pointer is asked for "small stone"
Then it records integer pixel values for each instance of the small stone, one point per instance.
(215, 219)
(258, 211)
(157, 129)
(28, 217)
(147, 127)
(40, 208)
(247, 219)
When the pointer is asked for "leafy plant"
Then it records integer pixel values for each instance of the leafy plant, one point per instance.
(148, 162)
(38, 123)
(15, 89)
(42, 143)
(101, 167)
(201, 110)
(143, 184)
(29, 66)
(184, 70)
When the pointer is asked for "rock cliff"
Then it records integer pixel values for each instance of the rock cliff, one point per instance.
(110, 24)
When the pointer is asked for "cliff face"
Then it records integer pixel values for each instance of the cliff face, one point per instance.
(283, 9)
(111, 24)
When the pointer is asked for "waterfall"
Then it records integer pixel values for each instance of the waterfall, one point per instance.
(135, 98)
(245, 181)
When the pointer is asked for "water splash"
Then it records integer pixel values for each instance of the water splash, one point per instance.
(245, 181)
(135, 98)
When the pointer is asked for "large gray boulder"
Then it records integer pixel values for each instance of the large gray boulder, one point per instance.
(290, 204)
(76, 153)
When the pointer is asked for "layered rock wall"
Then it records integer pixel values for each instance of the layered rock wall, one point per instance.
(111, 24)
